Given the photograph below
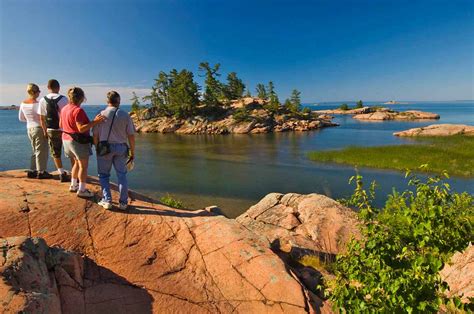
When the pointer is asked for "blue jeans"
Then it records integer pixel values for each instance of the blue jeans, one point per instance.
(118, 157)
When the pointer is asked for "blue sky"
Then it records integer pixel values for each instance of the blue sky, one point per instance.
(329, 50)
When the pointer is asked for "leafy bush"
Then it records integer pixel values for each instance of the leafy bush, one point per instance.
(344, 107)
(395, 266)
(171, 202)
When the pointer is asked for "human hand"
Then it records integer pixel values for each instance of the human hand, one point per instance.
(99, 119)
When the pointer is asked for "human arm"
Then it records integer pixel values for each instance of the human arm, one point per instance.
(131, 142)
(43, 125)
(84, 127)
(21, 115)
(95, 136)
(42, 113)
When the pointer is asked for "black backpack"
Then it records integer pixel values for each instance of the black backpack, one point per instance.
(52, 112)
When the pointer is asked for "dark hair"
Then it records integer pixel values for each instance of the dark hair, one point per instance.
(113, 98)
(53, 84)
(76, 95)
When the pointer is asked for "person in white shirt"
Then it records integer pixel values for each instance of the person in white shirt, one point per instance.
(49, 109)
(29, 113)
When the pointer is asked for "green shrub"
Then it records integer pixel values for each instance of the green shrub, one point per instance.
(171, 201)
(344, 107)
(395, 267)
(241, 115)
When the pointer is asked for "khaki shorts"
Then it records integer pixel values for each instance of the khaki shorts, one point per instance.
(55, 142)
(76, 150)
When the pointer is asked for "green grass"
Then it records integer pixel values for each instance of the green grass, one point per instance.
(455, 154)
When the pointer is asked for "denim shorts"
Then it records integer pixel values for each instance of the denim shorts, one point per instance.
(76, 150)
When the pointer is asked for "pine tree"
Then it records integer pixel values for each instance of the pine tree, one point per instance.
(135, 103)
(234, 88)
(261, 91)
(247, 93)
(183, 94)
(273, 104)
(360, 104)
(213, 92)
(295, 100)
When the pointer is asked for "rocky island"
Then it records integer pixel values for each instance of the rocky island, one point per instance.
(382, 114)
(74, 256)
(176, 105)
(243, 116)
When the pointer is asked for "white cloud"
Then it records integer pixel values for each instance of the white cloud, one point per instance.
(11, 94)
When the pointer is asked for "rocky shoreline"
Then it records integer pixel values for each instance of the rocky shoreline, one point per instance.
(382, 114)
(258, 121)
(439, 130)
(153, 258)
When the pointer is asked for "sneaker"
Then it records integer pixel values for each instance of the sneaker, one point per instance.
(123, 206)
(45, 175)
(32, 174)
(86, 193)
(63, 177)
(105, 204)
(73, 188)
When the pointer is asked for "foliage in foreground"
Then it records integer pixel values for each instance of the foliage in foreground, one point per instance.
(395, 267)
(170, 201)
(455, 154)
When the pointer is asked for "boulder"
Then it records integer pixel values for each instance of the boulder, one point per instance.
(313, 222)
(36, 278)
(439, 130)
(459, 274)
(150, 258)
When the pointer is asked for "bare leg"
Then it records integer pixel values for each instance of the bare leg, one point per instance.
(58, 162)
(74, 169)
(83, 165)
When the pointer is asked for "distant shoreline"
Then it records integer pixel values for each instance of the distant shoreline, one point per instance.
(12, 107)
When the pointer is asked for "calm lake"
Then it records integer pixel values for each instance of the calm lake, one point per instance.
(235, 171)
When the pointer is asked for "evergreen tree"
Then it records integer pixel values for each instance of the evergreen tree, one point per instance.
(295, 101)
(360, 104)
(213, 92)
(247, 93)
(234, 88)
(273, 104)
(183, 94)
(135, 103)
(261, 91)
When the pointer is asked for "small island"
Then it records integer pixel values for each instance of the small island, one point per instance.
(176, 105)
(12, 107)
(377, 113)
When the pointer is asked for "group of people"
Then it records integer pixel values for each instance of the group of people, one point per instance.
(59, 122)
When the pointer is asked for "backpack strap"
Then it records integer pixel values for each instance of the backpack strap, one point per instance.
(110, 129)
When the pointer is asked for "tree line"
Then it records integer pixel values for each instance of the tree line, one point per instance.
(177, 94)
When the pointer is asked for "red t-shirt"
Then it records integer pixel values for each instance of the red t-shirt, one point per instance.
(71, 114)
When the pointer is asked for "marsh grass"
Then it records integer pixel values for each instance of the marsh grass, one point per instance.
(455, 154)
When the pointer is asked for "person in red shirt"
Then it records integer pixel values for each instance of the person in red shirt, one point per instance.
(77, 140)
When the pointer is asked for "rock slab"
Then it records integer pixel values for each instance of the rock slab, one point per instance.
(439, 130)
(151, 257)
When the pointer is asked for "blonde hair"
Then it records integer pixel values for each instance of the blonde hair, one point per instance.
(76, 95)
(113, 98)
(32, 88)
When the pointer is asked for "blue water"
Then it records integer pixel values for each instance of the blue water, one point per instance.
(234, 171)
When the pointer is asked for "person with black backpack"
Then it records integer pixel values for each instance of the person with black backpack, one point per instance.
(49, 109)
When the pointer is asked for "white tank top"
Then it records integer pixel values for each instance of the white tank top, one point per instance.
(29, 113)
